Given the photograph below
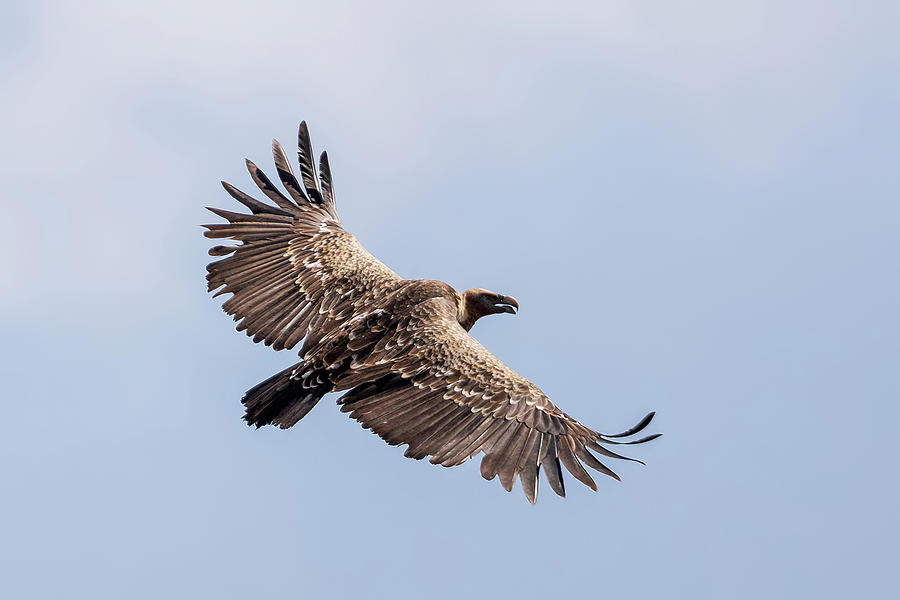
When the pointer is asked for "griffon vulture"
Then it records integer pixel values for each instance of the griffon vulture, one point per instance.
(399, 349)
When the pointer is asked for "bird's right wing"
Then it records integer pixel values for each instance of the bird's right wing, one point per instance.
(296, 271)
(446, 396)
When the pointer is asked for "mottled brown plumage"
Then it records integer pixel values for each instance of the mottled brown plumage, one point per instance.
(399, 349)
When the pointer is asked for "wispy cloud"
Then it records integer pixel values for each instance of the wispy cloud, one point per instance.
(114, 109)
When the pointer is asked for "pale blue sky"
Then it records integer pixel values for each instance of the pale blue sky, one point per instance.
(696, 204)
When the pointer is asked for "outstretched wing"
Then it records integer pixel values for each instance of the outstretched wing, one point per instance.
(295, 272)
(448, 397)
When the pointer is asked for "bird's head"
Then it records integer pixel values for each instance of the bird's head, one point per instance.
(478, 302)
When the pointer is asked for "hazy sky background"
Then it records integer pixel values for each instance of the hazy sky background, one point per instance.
(697, 205)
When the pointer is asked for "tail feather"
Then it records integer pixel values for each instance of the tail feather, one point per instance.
(283, 399)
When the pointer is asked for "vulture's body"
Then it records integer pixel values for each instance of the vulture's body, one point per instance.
(399, 349)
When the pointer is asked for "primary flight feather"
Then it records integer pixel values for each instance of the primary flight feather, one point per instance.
(399, 348)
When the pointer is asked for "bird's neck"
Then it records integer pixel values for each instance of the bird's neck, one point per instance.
(467, 314)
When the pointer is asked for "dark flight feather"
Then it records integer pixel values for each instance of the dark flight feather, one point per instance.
(307, 164)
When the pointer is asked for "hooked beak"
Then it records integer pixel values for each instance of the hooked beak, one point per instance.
(507, 304)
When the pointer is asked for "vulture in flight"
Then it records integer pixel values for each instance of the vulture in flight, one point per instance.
(399, 349)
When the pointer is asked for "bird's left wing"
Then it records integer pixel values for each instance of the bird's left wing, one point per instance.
(295, 272)
(448, 397)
